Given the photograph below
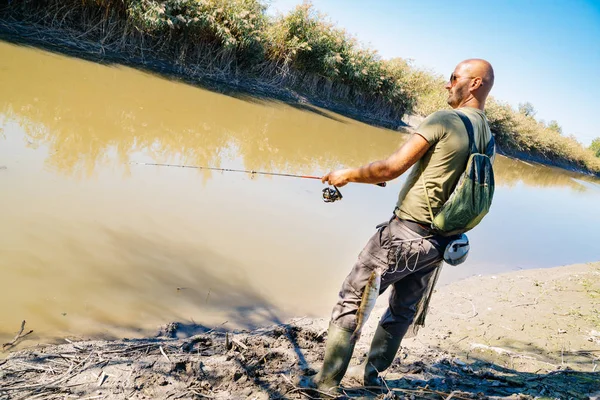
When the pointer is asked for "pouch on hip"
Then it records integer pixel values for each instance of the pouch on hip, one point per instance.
(457, 250)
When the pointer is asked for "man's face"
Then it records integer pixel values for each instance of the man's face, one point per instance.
(458, 86)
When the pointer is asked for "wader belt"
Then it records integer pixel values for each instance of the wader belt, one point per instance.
(416, 227)
(439, 241)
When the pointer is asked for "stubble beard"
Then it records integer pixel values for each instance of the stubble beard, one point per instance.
(452, 100)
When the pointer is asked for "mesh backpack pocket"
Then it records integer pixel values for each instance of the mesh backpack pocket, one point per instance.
(471, 199)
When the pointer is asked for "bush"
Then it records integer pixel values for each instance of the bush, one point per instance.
(231, 25)
(595, 146)
(304, 41)
(424, 89)
(520, 131)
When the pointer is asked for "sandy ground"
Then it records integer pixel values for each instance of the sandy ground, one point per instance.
(521, 335)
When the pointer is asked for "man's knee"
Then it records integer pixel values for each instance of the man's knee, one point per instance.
(350, 295)
(398, 328)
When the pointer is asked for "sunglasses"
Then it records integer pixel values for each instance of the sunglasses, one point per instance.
(454, 78)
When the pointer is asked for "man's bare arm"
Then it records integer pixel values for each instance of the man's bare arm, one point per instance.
(383, 170)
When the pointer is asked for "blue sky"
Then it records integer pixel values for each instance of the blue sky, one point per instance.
(544, 52)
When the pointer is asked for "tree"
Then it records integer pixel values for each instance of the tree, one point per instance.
(553, 125)
(527, 109)
(595, 146)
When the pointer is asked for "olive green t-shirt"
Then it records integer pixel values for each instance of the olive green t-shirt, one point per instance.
(442, 164)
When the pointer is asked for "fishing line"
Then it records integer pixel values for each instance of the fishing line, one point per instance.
(231, 170)
(329, 195)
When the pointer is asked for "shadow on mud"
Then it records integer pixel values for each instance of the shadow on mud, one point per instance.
(171, 276)
(438, 373)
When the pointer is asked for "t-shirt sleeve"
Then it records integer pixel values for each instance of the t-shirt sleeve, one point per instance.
(433, 127)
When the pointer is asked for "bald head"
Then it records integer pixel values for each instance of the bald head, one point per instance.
(470, 83)
(480, 68)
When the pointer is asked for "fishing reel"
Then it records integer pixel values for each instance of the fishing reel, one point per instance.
(331, 195)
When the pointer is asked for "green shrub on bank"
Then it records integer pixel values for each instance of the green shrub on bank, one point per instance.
(232, 25)
(303, 40)
(595, 146)
(521, 132)
(424, 88)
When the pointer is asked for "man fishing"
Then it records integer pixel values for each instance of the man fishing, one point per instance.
(405, 253)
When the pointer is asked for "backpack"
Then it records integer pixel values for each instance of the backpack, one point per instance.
(472, 196)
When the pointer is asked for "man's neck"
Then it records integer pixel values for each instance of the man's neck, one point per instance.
(472, 102)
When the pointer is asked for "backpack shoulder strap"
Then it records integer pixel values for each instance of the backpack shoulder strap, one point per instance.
(470, 131)
(491, 147)
(426, 194)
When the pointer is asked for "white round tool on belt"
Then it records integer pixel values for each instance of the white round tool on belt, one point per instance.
(457, 250)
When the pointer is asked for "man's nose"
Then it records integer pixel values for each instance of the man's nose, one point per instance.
(448, 85)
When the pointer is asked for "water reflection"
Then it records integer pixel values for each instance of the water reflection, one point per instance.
(82, 114)
(509, 172)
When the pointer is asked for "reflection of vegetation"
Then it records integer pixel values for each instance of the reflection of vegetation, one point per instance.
(131, 112)
(509, 172)
(127, 112)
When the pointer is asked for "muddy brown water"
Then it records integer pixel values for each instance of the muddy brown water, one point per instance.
(91, 244)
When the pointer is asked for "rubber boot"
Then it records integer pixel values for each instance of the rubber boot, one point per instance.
(338, 352)
(384, 347)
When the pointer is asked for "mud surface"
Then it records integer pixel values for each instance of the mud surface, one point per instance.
(521, 335)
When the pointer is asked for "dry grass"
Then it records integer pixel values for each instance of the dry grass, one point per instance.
(518, 133)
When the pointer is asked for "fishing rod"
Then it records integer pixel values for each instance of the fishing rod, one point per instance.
(329, 195)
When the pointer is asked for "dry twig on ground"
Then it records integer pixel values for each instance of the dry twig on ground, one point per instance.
(19, 336)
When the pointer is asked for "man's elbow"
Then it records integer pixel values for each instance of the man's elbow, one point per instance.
(390, 172)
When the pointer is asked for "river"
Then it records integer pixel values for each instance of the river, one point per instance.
(93, 244)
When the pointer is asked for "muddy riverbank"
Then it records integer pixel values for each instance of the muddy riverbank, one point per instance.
(520, 335)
